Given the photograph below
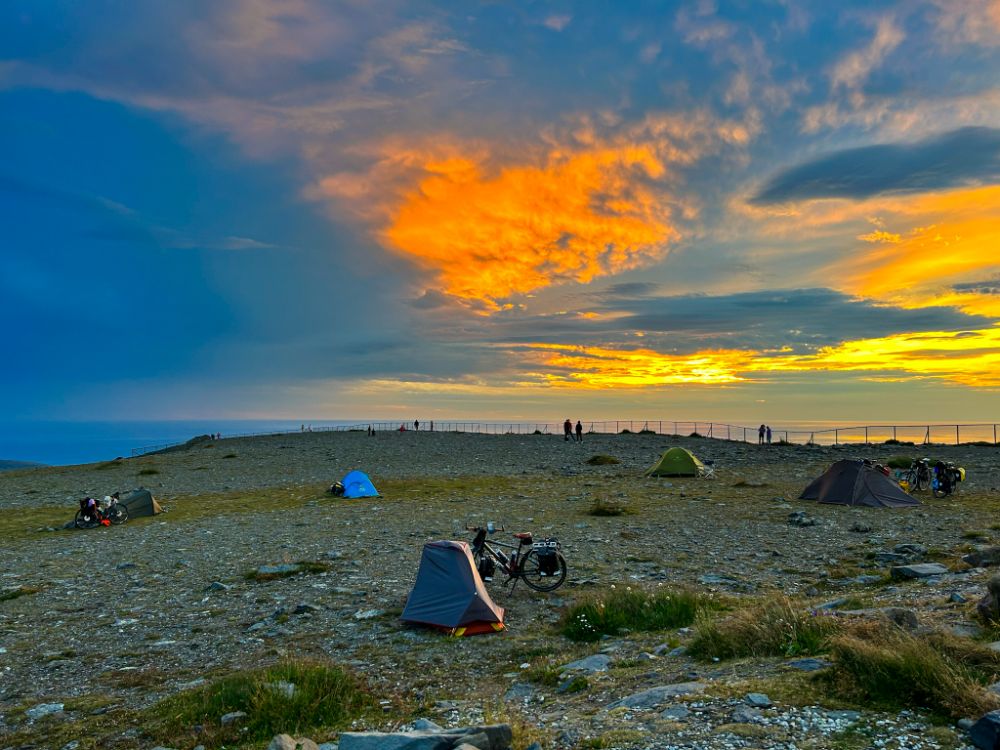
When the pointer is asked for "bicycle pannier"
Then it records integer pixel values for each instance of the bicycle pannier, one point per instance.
(487, 568)
(548, 562)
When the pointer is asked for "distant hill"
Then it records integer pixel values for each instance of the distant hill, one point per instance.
(10, 465)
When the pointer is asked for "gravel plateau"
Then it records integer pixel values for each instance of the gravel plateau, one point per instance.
(98, 626)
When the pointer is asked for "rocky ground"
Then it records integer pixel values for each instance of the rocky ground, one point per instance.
(110, 621)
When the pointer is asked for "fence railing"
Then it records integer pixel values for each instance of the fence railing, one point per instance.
(925, 434)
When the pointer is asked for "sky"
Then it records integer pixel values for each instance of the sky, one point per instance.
(750, 210)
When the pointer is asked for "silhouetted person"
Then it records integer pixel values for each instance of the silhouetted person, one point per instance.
(769, 434)
(432, 425)
(760, 435)
(416, 424)
(579, 431)
(567, 430)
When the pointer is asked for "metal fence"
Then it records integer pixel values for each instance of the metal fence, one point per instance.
(926, 434)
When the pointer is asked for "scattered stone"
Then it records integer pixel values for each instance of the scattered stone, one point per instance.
(217, 586)
(957, 598)
(43, 709)
(589, 664)
(890, 558)
(833, 604)
(809, 664)
(232, 717)
(757, 700)
(519, 690)
(965, 724)
(901, 617)
(919, 570)
(675, 713)
(910, 549)
(657, 695)
(860, 528)
(646, 656)
(368, 614)
(126, 566)
(799, 518)
(287, 742)
(713, 578)
(490, 737)
(746, 715)
(285, 688)
(277, 570)
(305, 608)
(71, 745)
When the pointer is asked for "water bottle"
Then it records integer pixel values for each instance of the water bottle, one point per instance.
(490, 527)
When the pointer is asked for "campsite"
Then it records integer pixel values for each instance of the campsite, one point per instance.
(255, 565)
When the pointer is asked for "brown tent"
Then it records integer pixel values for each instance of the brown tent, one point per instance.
(857, 483)
(141, 502)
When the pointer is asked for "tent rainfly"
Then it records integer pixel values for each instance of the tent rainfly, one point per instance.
(358, 484)
(853, 482)
(677, 462)
(141, 502)
(449, 594)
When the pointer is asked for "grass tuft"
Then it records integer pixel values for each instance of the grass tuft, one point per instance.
(607, 508)
(602, 460)
(772, 627)
(631, 610)
(148, 472)
(324, 696)
(16, 593)
(891, 668)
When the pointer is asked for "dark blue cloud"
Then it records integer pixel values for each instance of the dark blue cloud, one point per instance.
(967, 156)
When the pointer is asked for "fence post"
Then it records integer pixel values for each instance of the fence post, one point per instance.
(994, 434)
(894, 432)
(866, 434)
(927, 436)
(744, 434)
(660, 431)
(836, 437)
(957, 441)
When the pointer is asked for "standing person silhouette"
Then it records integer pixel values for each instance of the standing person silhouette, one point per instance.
(579, 431)
(416, 424)
(567, 429)
(760, 435)
(769, 434)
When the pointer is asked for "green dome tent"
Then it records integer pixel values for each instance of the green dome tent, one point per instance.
(677, 462)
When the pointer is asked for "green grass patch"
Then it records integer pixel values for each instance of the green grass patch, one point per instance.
(899, 462)
(16, 593)
(772, 627)
(602, 460)
(324, 696)
(230, 455)
(607, 508)
(631, 610)
(887, 667)
(147, 472)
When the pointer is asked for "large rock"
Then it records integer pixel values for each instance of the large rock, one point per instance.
(985, 733)
(920, 570)
(983, 558)
(490, 737)
(657, 695)
(590, 664)
(988, 607)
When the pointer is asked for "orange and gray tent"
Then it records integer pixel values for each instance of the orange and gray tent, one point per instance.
(449, 594)
(853, 482)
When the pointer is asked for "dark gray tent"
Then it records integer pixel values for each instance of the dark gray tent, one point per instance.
(141, 502)
(853, 482)
(449, 594)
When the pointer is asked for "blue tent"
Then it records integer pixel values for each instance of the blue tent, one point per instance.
(357, 484)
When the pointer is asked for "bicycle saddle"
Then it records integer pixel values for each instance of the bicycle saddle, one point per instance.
(525, 535)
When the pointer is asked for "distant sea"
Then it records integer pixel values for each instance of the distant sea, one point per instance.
(61, 443)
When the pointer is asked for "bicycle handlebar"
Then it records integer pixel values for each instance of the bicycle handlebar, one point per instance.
(485, 528)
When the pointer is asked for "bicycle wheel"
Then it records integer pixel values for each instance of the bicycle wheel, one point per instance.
(84, 520)
(118, 514)
(910, 478)
(531, 571)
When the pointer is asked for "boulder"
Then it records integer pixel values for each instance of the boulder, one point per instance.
(489, 737)
(757, 700)
(589, 664)
(657, 695)
(985, 733)
(988, 607)
(919, 570)
(983, 558)
(287, 742)
(903, 618)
